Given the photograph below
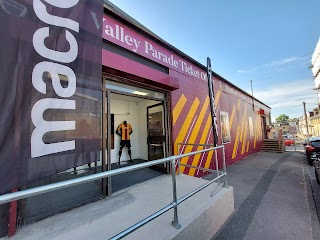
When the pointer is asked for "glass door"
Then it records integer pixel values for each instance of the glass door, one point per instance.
(156, 139)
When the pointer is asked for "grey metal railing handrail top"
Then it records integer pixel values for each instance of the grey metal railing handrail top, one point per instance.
(9, 197)
(200, 144)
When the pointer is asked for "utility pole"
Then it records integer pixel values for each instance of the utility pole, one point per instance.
(305, 117)
(252, 95)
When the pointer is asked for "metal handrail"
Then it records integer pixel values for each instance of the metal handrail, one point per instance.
(5, 198)
(225, 184)
(176, 201)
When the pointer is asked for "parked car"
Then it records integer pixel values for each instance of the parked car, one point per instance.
(312, 147)
(304, 143)
(316, 165)
(288, 141)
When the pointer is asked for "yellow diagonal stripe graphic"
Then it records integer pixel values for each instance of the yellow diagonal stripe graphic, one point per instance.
(235, 146)
(243, 121)
(255, 139)
(244, 140)
(178, 108)
(248, 143)
(217, 98)
(259, 131)
(186, 125)
(259, 127)
(204, 136)
(195, 131)
(255, 133)
(232, 116)
(209, 158)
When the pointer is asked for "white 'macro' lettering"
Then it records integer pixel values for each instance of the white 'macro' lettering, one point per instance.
(38, 147)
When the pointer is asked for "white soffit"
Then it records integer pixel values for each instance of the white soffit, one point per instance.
(316, 67)
(316, 53)
(317, 81)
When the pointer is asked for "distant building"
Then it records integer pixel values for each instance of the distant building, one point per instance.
(302, 127)
(315, 60)
(315, 122)
(315, 116)
(281, 125)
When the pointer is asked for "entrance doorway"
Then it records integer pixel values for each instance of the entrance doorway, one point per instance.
(156, 135)
(144, 112)
(264, 127)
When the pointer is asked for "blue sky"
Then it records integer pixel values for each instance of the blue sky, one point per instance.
(269, 42)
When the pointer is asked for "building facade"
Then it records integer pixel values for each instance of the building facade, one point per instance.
(157, 89)
(315, 60)
(315, 119)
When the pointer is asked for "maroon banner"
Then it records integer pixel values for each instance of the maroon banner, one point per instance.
(50, 91)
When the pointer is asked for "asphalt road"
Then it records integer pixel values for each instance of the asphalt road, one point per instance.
(276, 197)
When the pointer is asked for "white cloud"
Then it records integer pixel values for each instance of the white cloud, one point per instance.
(287, 97)
(270, 65)
(281, 62)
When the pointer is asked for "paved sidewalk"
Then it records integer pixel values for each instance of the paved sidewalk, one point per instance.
(273, 199)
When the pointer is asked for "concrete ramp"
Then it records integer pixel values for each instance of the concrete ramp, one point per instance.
(200, 216)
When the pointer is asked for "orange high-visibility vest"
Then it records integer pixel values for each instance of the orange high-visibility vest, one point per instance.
(125, 131)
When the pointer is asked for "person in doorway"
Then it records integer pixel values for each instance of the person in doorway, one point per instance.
(124, 131)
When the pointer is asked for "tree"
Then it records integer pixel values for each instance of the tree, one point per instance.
(282, 118)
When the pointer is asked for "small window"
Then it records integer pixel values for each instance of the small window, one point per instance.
(251, 128)
(225, 128)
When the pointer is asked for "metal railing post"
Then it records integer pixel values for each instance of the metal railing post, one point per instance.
(225, 184)
(175, 221)
(217, 165)
(178, 158)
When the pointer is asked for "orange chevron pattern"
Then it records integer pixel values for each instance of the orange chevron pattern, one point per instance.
(216, 103)
(236, 143)
(244, 142)
(204, 136)
(195, 118)
(195, 132)
(243, 123)
(209, 158)
(178, 108)
(187, 124)
(232, 116)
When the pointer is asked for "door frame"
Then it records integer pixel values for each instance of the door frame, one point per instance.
(165, 129)
(106, 131)
(264, 126)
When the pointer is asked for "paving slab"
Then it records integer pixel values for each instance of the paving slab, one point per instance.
(273, 199)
